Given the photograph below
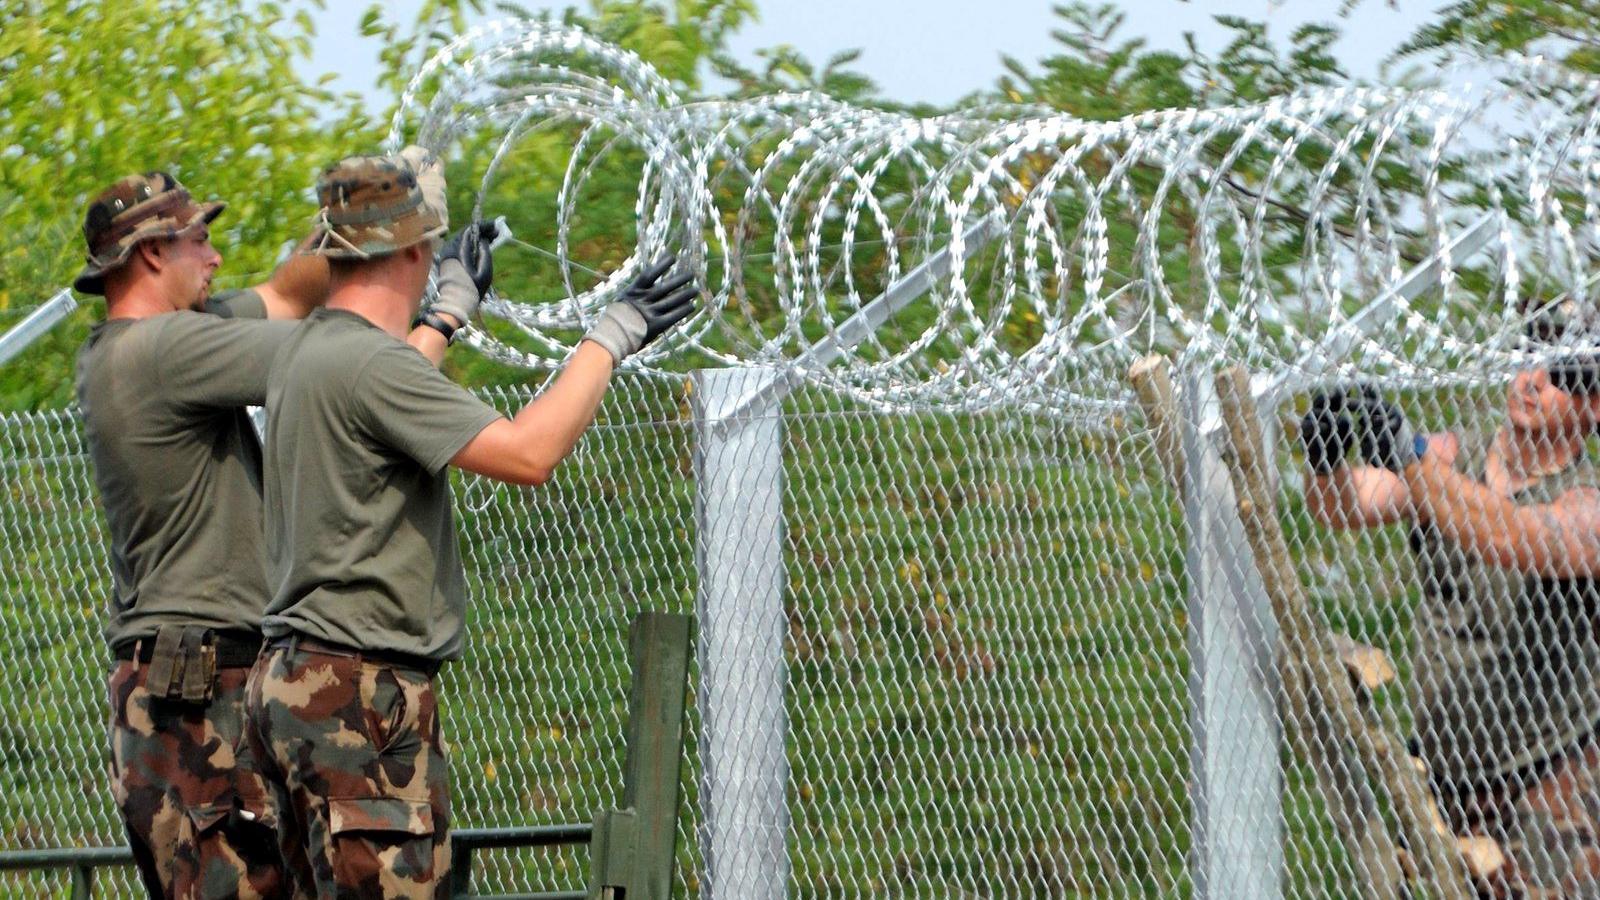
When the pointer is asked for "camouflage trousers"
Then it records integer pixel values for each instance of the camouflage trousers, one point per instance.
(1548, 826)
(352, 752)
(174, 777)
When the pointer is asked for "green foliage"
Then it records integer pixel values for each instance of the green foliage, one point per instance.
(1097, 77)
(204, 90)
(677, 38)
(1567, 29)
(787, 70)
(1251, 69)
(403, 48)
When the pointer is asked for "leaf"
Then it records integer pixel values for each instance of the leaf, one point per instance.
(844, 57)
(372, 21)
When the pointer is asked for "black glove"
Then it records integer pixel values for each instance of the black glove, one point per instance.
(1326, 432)
(1386, 440)
(470, 245)
(644, 310)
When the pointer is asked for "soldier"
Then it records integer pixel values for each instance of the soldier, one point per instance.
(1505, 527)
(161, 385)
(371, 594)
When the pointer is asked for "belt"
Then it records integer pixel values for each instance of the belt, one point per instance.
(235, 649)
(393, 658)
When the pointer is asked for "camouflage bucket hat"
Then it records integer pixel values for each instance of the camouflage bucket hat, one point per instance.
(371, 206)
(137, 208)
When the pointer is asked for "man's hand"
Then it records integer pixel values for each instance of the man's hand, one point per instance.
(1386, 440)
(466, 271)
(645, 310)
(1326, 432)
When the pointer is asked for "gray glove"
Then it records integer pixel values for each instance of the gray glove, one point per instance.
(645, 310)
(466, 270)
(458, 296)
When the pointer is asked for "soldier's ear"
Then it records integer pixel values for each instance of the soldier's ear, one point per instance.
(151, 253)
(417, 254)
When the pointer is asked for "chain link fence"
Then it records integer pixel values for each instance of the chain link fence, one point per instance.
(1007, 660)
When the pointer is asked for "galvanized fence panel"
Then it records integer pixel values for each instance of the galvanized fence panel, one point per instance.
(989, 676)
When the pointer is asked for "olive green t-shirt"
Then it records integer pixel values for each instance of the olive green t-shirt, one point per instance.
(177, 463)
(361, 539)
(1505, 666)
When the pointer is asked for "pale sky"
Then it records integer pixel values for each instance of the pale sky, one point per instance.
(939, 50)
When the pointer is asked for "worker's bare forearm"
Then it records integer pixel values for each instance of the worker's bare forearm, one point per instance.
(527, 448)
(297, 286)
(430, 342)
(1539, 540)
(551, 425)
(1352, 497)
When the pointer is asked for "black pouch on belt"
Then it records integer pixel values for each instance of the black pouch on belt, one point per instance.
(183, 664)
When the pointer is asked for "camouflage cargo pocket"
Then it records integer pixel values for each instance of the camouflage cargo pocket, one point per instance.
(384, 847)
(391, 814)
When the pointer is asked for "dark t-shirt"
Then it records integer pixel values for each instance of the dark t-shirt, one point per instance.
(1505, 666)
(361, 539)
(177, 464)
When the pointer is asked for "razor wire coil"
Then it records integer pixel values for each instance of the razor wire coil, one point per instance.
(1154, 233)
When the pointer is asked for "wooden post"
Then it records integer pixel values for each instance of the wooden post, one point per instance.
(1153, 385)
(634, 848)
(1306, 643)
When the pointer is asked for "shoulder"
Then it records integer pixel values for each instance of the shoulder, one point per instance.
(326, 332)
(327, 352)
(387, 363)
(121, 350)
(241, 304)
(134, 339)
(174, 328)
(388, 353)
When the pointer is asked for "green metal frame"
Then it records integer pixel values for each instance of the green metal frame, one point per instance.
(83, 861)
(631, 849)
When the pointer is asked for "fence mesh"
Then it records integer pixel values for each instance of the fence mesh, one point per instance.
(992, 676)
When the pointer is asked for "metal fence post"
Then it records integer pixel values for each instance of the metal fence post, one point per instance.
(1236, 785)
(742, 625)
(460, 869)
(36, 324)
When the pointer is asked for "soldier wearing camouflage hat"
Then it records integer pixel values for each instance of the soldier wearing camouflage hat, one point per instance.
(162, 386)
(1503, 520)
(361, 543)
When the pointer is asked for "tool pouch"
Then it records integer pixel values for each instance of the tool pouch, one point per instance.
(183, 664)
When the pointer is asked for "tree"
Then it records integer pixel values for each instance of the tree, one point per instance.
(204, 90)
(788, 71)
(1568, 31)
